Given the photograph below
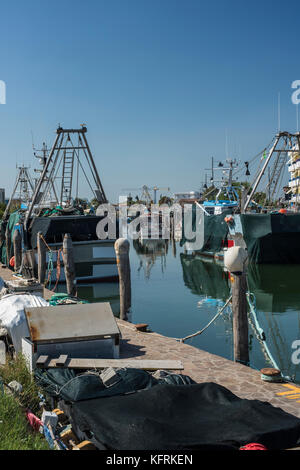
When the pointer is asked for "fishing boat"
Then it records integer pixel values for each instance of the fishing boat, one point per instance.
(270, 230)
(273, 234)
(56, 209)
(210, 218)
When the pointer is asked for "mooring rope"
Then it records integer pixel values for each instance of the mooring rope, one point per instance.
(259, 331)
(261, 334)
(182, 340)
(50, 267)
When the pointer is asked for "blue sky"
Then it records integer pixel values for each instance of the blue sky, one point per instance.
(159, 83)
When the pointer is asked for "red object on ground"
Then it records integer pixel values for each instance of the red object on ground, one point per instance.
(12, 262)
(253, 446)
(34, 421)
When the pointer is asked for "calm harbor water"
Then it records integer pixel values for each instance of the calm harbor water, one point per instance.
(178, 294)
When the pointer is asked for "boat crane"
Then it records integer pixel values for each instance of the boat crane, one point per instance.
(146, 192)
(23, 189)
(69, 156)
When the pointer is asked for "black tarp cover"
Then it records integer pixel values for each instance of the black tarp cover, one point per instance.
(272, 238)
(68, 385)
(191, 417)
(81, 228)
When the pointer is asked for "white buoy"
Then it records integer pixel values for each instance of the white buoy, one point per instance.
(235, 258)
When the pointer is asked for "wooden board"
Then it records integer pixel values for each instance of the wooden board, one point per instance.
(145, 364)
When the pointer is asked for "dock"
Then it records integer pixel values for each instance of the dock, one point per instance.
(203, 366)
(200, 365)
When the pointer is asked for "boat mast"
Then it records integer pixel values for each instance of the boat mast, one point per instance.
(64, 154)
(278, 136)
(24, 183)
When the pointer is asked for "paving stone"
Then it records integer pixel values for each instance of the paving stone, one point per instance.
(203, 366)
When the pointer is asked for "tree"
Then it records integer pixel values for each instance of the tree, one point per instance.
(165, 200)
(95, 203)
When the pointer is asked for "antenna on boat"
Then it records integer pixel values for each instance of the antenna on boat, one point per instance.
(278, 111)
(226, 143)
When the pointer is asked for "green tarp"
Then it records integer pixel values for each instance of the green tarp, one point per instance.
(272, 238)
(9, 226)
(213, 228)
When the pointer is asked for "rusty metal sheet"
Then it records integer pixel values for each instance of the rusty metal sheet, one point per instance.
(71, 322)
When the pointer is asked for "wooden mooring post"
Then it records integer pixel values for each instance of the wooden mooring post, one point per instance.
(8, 245)
(17, 244)
(235, 260)
(41, 252)
(122, 253)
(69, 265)
(240, 317)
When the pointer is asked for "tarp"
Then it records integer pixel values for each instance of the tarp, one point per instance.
(213, 228)
(9, 226)
(272, 238)
(66, 384)
(81, 228)
(200, 416)
(12, 315)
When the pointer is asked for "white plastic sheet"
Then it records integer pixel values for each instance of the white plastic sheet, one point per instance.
(12, 315)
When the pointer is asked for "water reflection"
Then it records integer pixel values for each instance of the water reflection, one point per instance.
(149, 251)
(98, 292)
(276, 287)
(175, 294)
(277, 300)
(204, 277)
(277, 297)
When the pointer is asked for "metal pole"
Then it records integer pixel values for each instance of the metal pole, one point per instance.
(40, 182)
(95, 169)
(12, 196)
(262, 171)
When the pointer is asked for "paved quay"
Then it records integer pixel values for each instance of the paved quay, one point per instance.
(203, 366)
(200, 365)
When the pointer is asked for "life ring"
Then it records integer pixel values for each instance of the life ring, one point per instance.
(12, 262)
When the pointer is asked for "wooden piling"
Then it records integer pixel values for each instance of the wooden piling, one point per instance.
(240, 317)
(29, 265)
(69, 265)
(32, 263)
(41, 251)
(17, 244)
(8, 245)
(122, 253)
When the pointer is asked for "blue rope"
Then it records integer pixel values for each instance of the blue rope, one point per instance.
(261, 333)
